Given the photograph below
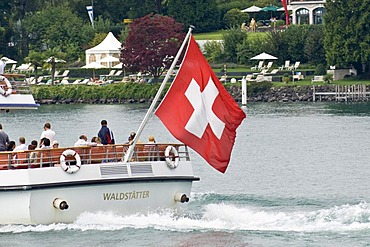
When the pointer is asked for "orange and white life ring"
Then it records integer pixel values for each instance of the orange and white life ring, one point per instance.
(172, 161)
(67, 166)
(8, 85)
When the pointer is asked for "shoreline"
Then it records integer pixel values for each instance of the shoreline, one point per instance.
(275, 94)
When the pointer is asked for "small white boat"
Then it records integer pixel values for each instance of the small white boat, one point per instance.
(57, 185)
(15, 94)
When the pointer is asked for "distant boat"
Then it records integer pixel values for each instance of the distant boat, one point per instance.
(15, 94)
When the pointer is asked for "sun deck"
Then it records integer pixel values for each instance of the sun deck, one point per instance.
(89, 155)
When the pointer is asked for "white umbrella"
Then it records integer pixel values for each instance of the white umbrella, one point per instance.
(263, 56)
(109, 60)
(53, 60)
(93, 65)
(252, 9)
(8, 60)
(118, 66)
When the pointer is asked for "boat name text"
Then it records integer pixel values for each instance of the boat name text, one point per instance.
(126, 195)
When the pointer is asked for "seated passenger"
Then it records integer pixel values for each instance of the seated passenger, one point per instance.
(151, 139)
(33, 155)
(10, 146)
(55, 144)
(82, 141)
(131, 138)
(95, 141)
(22, 144)
(45, 143)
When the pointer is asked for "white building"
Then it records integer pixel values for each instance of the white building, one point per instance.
(307, 11)
(109, 47)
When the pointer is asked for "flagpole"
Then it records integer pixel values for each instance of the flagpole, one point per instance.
(156, 98)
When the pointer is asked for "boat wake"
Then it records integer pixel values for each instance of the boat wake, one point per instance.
(219, 217)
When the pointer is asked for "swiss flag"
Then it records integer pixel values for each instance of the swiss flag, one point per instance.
(199, 112)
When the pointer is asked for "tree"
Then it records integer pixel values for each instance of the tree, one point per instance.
(235, 18)
(203, 14)
(36, 59)
(347, 36)
(314, 45)
(151, 41)
(47, 31)
(232, 39)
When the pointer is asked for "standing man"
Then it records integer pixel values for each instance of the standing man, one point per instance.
(47, 133)
(4, 139)
(105, 134)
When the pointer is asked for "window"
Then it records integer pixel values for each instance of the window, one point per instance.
(302, 16)
(318, 15)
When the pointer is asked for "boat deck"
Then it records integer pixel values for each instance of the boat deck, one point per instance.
(89, 155)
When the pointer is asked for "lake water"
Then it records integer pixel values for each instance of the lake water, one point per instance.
(298, 176)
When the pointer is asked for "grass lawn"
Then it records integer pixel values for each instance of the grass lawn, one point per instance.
(218, 35)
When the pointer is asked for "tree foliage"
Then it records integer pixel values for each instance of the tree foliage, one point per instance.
(203, 14)
(235, 18)
(302, 43)
(46, 31)
(232, 39)
(347, 36)
(152, 40)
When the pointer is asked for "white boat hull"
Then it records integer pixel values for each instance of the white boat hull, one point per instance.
(33, 196)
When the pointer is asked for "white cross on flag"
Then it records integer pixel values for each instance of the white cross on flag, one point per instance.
(199, 112)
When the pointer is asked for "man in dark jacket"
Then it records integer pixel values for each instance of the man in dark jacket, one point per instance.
(4, 139)
(105, 134)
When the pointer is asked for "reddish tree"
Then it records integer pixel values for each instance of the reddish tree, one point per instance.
(151, 41)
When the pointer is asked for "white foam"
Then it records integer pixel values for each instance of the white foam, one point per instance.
(220, 217)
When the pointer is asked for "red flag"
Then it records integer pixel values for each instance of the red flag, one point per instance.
(285, 5)
(199, 112)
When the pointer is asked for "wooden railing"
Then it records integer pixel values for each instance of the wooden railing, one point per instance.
(89, 155)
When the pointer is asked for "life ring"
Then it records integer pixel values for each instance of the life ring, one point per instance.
(172, 163)
(67, 166)
(8, 85)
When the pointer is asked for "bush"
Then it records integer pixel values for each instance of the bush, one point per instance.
(328, 78)
(320, 70)
(214, 51)
(234, 18)
(285, 78)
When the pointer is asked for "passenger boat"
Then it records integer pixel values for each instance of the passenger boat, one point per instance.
(57, 185)
(15, 93)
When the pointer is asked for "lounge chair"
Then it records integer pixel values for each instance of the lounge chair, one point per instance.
(285, 66)
(258, 67)
(223, 78)
(118, 73)
(84, 82)
(273, 72)
(249, 77)
(77, 81)
(64, 81)
(295, 66)
(65, 73)
(269, 65)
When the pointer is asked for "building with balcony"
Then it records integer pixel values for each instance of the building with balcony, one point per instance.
(307, 11)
